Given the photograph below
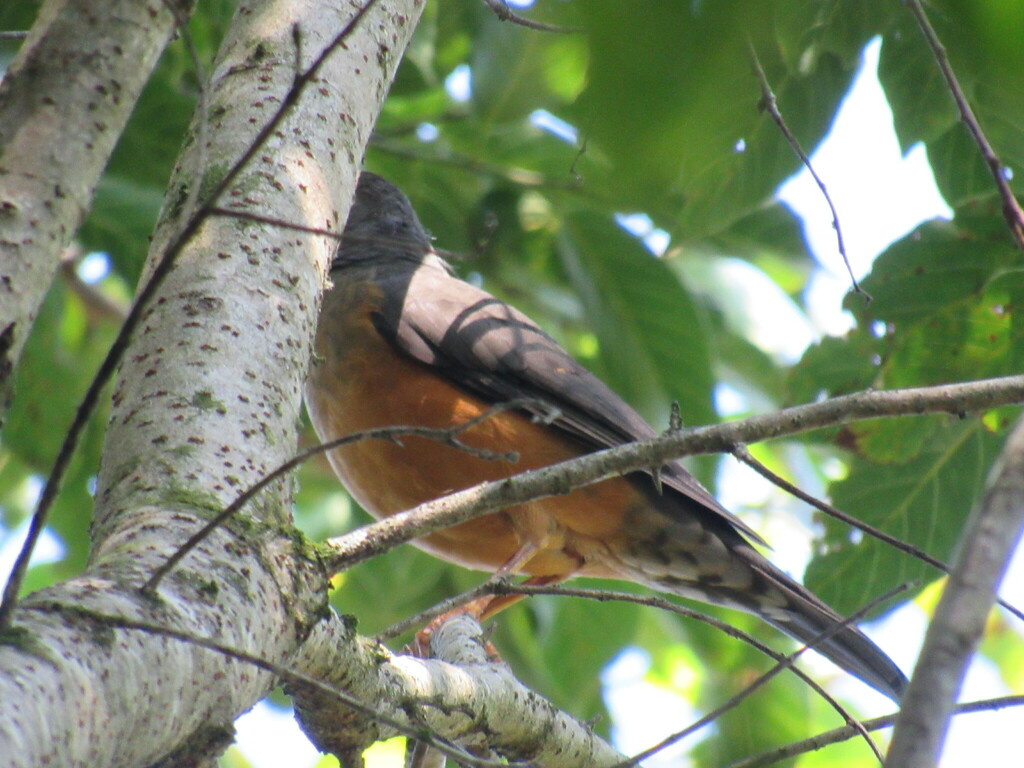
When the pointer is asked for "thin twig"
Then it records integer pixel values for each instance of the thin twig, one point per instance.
(486, 587)
(504, 587)
(13, 34)
(580, 152)
(770, 105)
(446, 436)
(1012, 212)
(786, 663)
(844, 733)
(744, 455)
(88, 404)
(504, 13)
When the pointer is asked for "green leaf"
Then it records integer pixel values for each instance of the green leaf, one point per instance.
(927, 271)
(396, 585)
(890, 441)
(835, 366)
(653, 347)
(670, 110)
(981, 41)
(922, 107)
(924, 502)
(544, 642)
(515, 74)
(63, 351)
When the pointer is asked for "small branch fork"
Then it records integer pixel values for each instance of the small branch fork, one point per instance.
(282, 672)
(782, 661)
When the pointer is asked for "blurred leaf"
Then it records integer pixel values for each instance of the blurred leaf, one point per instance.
(922, 107)
(394, 586)
(960, 171)
(561, 644)
(233, 758)
(771, 234)
(772, 716)
(1003, 647)
(62, 353)
(515, 74)
(981, 41)
(672, 106)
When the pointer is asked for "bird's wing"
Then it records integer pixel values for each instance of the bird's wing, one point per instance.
(491, 350)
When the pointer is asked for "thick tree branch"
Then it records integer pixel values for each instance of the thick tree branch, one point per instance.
(207, 401)
(954, 633)
(458, 507)
(64, 102)
(476, 703)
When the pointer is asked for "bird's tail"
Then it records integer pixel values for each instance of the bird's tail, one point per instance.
(807, 619)
(737, 576)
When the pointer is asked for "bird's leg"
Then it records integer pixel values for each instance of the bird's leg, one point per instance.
(487, 606)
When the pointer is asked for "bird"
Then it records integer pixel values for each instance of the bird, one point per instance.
(402, 341)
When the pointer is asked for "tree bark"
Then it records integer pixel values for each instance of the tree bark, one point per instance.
(207, 401)
(984, 554)
(64, 102)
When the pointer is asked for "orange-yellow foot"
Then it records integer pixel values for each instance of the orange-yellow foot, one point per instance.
(478, 609)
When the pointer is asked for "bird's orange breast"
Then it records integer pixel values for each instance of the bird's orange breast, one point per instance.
(361, 381)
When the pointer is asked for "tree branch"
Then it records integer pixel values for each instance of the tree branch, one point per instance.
(954, 632)
(478, 500)
(179, 234)
(207, 401)
(477, 703)
(59, 132)
(1012, 212)
(844, 733)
